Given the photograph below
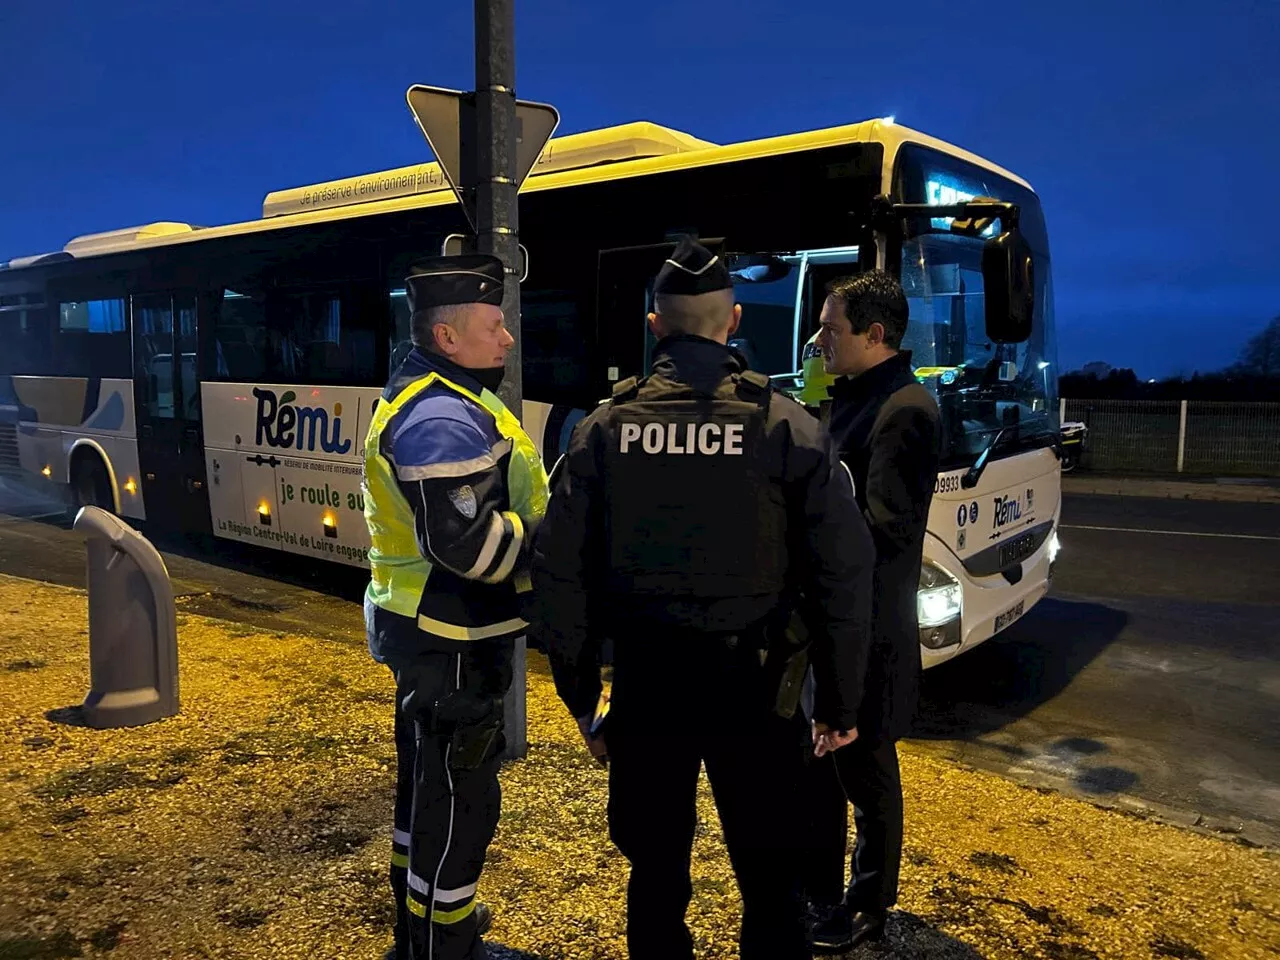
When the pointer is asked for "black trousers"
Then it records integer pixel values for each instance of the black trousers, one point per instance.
(448, 730)
(865, 774)
(664, 724)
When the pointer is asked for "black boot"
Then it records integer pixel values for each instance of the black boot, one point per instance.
(484, 920)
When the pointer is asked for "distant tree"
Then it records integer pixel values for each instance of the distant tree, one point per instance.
(1260, 356)
(1076, 384)
(1121, 383)
(1254, 377)
(1114, 384)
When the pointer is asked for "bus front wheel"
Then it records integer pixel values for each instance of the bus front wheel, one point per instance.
(90, 484)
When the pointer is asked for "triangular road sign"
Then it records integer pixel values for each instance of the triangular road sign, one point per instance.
(441, 115)
(447, 119)
(535, 123)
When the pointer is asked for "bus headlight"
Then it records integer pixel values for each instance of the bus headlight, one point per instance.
(939, 605)
(1055, 547)
(939, 599)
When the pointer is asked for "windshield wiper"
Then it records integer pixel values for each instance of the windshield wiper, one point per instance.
(974, 473)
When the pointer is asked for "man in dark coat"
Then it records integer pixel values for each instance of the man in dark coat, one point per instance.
(887, 430)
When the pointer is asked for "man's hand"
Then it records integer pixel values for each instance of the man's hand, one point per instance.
(826, 740)
(595, 745)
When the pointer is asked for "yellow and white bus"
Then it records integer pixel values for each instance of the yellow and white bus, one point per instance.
(219, 379)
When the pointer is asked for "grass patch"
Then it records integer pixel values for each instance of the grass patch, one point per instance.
(108, 938)
(18, 666)
(244, 918)
(337, 841)
(277, 743)
(182, 756)
(100, 779)
(994, 861)
(1057, 950)
(70, 815)
(1163, 946)
(703, 885)
(52, 947)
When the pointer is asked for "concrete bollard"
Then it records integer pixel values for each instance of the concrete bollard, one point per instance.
(133, 632)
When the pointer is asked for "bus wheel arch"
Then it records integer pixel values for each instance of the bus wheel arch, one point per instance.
(92, 479)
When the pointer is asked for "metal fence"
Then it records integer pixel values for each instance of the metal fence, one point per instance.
(1171, 436)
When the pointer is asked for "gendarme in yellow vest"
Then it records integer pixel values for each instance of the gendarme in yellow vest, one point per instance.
(398, 571)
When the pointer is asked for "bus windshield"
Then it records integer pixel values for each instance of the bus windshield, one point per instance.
(982, 388)
(998, 395)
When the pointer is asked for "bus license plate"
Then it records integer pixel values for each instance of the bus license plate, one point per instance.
(1009, 616)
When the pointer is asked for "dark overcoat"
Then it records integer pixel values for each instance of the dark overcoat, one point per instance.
(888, 432)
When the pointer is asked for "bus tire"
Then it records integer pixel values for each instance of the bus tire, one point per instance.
(90, 483)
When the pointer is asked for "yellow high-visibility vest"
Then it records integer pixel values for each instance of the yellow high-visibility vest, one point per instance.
(398, 571)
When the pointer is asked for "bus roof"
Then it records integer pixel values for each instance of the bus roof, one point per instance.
(628, 150)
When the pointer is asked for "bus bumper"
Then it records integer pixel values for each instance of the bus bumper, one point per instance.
(990, 604)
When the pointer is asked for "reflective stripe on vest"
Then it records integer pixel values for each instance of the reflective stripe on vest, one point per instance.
(398, 572)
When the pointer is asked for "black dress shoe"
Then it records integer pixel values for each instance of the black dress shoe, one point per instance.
(830, 928)
(866, 926)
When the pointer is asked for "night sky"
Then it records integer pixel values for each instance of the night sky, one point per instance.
(1150, 129)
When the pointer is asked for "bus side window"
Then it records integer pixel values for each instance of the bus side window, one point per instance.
(153, 354)
(93, 339)
(239, 334)
(400, 343)
(24, 333)
(324, 335)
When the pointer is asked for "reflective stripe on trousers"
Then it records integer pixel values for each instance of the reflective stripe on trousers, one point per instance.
(452, 813)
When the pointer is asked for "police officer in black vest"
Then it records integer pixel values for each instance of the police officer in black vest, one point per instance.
(691, 516)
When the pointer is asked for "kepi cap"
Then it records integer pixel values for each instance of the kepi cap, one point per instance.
(441, 281)
(690, 270)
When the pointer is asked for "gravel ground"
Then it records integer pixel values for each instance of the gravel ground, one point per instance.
(256, 825)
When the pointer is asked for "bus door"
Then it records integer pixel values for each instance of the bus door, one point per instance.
(624, 300)
(167, 406)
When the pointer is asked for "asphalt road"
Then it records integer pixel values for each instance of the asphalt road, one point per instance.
(1149, 675)
(1150, 672)
(213, 578)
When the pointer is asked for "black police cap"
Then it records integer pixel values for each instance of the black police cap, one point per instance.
(690, 270)
(441, 281)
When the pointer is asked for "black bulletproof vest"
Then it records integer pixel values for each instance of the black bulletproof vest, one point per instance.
(695, 506)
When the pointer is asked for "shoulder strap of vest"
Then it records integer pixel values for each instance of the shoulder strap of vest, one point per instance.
(625, 390)
(753, 385)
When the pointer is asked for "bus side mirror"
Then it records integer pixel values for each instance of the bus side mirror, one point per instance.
(1008, 279)
(757, 268)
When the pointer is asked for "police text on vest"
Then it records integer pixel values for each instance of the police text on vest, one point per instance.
(707, 438)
